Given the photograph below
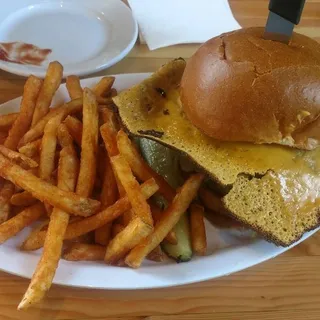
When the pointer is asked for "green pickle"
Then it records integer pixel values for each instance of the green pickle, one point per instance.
(166, 162)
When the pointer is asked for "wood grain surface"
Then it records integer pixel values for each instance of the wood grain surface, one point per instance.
(287, 287)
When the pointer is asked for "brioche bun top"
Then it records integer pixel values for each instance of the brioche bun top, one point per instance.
(241, 87)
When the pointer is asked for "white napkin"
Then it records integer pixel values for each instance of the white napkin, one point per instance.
(167, 22)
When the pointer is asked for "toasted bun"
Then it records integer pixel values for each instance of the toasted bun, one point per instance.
(241, 87)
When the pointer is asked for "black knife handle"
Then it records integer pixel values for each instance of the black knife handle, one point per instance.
(289, 9)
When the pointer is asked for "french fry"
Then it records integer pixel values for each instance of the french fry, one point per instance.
(112, 93)
(211, 200)
(84, 226)
(68, 168)
(156, 215)
(22, 124)
(44, 191)
(11, 227)
(42, 226)
(85, 239)
(108, 197)
(127, 239)
(7, 120)
(140, 207)
(107, 115)
(89, 144)
(103, 234)
(168, 220)
(50, 85)
(84, 252)
(198, 231)
(18, 158)
(216, 212)
(157, 255)
(31, 149)
(36, 132)
(75, 128)
(140, 168)
(101, 159)
(103, 87)
(64, 136)
(48, 148)
(6, 192)
(3, 137)
(74, 87)
(15, 210)
(23, 199)
(42, 278)
(116, 228)
(105, 102)
(109, 132)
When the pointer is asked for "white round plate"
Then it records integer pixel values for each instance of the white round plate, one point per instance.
(228, 251)
(85, 36)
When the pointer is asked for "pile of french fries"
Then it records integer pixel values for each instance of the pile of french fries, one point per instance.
(74, 170)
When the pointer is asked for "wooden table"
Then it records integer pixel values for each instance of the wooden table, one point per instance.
(287, 287)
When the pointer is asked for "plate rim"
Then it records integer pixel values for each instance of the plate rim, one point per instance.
(40, 71)
(191, 276)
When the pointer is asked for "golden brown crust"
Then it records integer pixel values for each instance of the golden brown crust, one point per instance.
(240, 87)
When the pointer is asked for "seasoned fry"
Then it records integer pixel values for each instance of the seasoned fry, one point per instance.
(108, 197)
(44, 191)
(64, 136)
(84, 226)
(109, 132)
(156, 215)
(6, 192)
(211, 200)
(140, 207)
(37, 131)
(157, 255)
(15, 210)
(103, 87)
(107, 116)
(3, 137)
(23, 199)
(90, 197)
(103, 234)
(168, 220)
(89, 144)
(140, 168)
(127, 239)
(48, 148)
(105, 102)
(84, 252)
(7, 120)
(112, 93)
(14, 225)
(42, 278)
(50, 85)
(31, 149)
(68, 168)
(74, 87)
(75, 128)
(18, 158)
(198, 231)
(43, 225)
(223, 220)
(116, 228)
(27, 107)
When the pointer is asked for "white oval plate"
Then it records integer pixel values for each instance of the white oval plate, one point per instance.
(228, 251)
(85, 36)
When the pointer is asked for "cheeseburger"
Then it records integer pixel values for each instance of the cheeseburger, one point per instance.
(244, 110)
